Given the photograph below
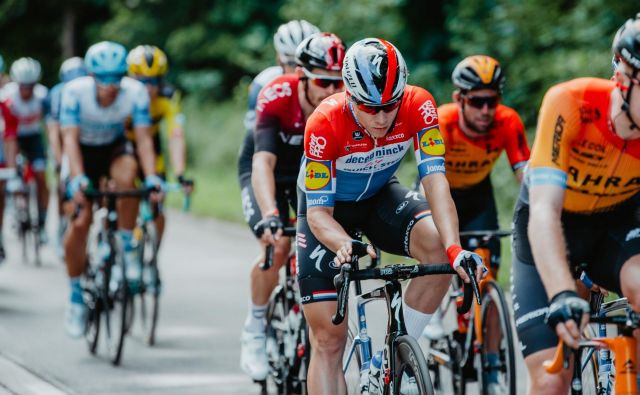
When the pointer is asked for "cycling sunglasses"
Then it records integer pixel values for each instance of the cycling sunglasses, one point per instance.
(108, 79)
(480, 101)
(323, 81)
(373, 110)
(155, 81)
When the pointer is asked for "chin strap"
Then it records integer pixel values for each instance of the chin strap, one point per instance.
(626, 107)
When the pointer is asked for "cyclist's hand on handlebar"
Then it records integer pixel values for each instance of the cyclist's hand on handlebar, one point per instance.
(456, 257)
(187, 184)
(78, 184)
(271, 228)
(343, 255)
(566, 310)
(156, 184)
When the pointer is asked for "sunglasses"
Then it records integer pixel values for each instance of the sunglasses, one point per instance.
(373, 110)
(155, 81)
(108, 79)
(323, 81)
(480, 101)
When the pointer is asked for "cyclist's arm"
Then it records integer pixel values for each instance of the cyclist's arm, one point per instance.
(175, 129)
(326, 229)
(517, 147)
(263, 181)
(71, 141)
(53, 127)
(547, 239)
(443, 210)
(144, 145)
(10, 136)
(11, 151)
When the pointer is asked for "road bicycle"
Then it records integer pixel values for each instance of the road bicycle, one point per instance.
(286, 329)
(487, 329)
(598, 373)
(106, 293)
(403, 362)
(148, 286)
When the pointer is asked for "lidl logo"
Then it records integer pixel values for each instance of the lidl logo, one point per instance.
(431, 142)
(317, 175)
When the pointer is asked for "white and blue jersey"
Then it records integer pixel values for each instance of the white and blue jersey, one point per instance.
(30, 113)
(103, 125)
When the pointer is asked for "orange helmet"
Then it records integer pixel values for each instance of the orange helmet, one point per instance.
(478, 72)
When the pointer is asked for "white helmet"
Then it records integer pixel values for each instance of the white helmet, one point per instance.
(289, 35)
(72, 68)
(25, 71)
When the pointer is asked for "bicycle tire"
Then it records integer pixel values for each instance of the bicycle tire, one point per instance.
(276, 315)
(494, 296)
(590, 380)
(92, 331)
(409, 359)
(150, 294)
(306, 356)
(351, 369)
(118, 300)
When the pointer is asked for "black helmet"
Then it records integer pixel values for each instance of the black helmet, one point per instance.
(626, 44)
(478, 72)
(321, 50)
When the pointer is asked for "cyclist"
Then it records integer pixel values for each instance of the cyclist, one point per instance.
(282, 109)
(285, 41)
(27, 99)
(8, 149)
(93, 114)
(576, 207)
(476, 129)
(148, 64)
(354, 142)
(70, 69)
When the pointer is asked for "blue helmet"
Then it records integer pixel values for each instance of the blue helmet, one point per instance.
(106, 58)
(72, 68)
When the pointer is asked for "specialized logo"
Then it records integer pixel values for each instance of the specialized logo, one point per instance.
(317, 175)
(431, 142)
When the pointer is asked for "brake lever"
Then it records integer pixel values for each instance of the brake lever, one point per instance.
(341, 282)
(470, 268)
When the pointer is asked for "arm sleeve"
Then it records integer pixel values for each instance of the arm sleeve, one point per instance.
(559, 115)
(140, 113)
(69, 109)
(516, 145)
(265, 134)
(10, 122)
(318, 162)
(428, 143)
(175, 118)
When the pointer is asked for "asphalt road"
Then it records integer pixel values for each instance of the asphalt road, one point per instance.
(205, 266)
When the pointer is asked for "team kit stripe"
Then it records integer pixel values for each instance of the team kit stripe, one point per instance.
(392, 69)
(324, 295)
(422, 214)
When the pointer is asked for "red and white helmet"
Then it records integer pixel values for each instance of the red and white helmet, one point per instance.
(321, 50)
(374, 72)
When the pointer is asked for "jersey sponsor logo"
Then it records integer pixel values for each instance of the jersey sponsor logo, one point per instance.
(589, 114)
(318, 253)
(317, 145)
(318, 201)
(585, 179)
(469, 164)
(557, 136)
(317, 175)
(401, 206)
(380, 152)
(273, 93)
(357, 135)
(395, 136)
(431, 142)
(428, 112)
(291, 139)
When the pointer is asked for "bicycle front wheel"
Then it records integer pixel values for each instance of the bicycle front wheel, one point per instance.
(352, 360)
(412, 374)
(497, 360)
(116, 311)
(150, 295)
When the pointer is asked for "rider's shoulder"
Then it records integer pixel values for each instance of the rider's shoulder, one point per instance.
(267, 75)
(79, 83)
(580, 89)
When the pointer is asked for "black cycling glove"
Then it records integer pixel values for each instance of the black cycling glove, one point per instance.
(272, 222)
(566, 306)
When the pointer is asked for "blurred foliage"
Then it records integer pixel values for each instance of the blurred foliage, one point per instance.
(214, 45)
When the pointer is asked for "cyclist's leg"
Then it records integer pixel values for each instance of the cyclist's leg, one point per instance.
(160, 171)
(403, 225)
(33, 149)
(318, 295)
(123, 170)
(530, 305)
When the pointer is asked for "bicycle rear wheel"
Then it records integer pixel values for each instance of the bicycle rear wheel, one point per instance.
(276, 329)
(150, 295)
(494, 307)
(352, 360)
(411, 375)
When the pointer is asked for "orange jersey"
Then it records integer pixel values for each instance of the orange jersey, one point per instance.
(577, 148)
(469, 160)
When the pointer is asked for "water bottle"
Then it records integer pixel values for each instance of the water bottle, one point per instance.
(374, 374)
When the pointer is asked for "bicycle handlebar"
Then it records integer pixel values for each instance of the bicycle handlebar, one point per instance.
(395, 272)
(288, 231)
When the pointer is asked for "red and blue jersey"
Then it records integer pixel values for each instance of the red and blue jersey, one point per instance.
(343, 162)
